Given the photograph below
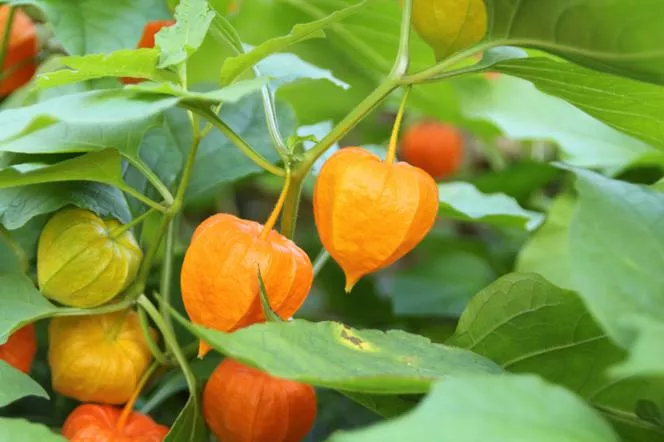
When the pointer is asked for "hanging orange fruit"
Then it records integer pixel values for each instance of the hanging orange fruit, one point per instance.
(20, 60)
(20, 349)
(81, 262)
(434, 147)
(370, 213)
(219, 278)
(97, 358)
(100, 423)
(243, 404)
(147, 41)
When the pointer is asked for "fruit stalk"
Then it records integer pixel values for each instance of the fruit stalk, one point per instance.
(272, 220)
(392, 149)
(129, 406)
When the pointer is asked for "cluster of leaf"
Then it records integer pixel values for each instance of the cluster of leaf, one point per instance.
(565, 350)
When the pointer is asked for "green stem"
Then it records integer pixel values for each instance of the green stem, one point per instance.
(144, 199)
(273, 122)
(153, 179)
(6, 36)
(131, 224)
(403, 60)
(110, 308)
(170, 340)
(434, 73)
(17, 249)
(158, 355)
(320, 261)
(167, 272)
(239, 142)
(291, 206)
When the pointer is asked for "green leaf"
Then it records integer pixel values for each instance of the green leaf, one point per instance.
(439, 285)
(21, 304)
(229, 94)
(189, 425)
(26, 431)
(585, 142)
(632, 107)
(17, 385)
(471, 408)
(287, 68)
(464, 202)
(621, 37)
(234, 67)
(527, 325)
(385, 405)
(136, 63)
(547, 250)
(90, 26)
(178, 42)
(645, 357)
(333, 355)
(18, 205)
(617, 252)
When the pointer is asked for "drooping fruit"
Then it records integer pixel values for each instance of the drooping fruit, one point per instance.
(243, 404)
(147, 41)
(449, 26)
(97, 358)
(219, 278)
(20, 60)
(20, 349)
(81, 262)
(99, 423)
(434, 147)
(370, 213)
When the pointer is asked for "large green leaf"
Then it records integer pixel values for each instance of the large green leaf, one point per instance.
(547, 251)
(21, 304)
(234, 67)
(16, 385)
(137, 63)
(89, 26)
(620, 36)
(464, 202)
(509, 102)
(632, 107)
(189, 425)
(527, 325)
(472, 408)
(333, 355)
(26, 431)
(18, 205)
(617, 252)
(178, 42)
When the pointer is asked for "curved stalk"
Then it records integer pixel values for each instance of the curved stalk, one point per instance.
(158, 355)
(272, 220)
(152, 179)
(129, 406)
(394, 138)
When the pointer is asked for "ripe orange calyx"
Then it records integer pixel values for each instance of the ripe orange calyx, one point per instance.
(434, 147)
(370, 213)
(219, 278)
(243, 404)
(20, 349)
(147, 41)
(97, 358)
(99, 423)
(20, 63)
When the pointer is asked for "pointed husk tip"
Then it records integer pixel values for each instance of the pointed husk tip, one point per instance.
(203, 349)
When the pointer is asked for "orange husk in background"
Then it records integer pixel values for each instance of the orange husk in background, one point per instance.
(370, 213)
(219, 278)
(21, 52)
(99, 423)
(147, 41)
(20, 349)
(243, 404)
(434, 147)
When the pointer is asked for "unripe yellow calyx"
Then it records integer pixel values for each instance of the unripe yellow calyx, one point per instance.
(82, 261)
(450, 25)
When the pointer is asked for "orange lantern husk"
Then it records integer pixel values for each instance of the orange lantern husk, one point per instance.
(20, 349)
(219, 278)
(243, 404)
(370, 213)
(20, 59)
(101, 423)
(434, 147)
